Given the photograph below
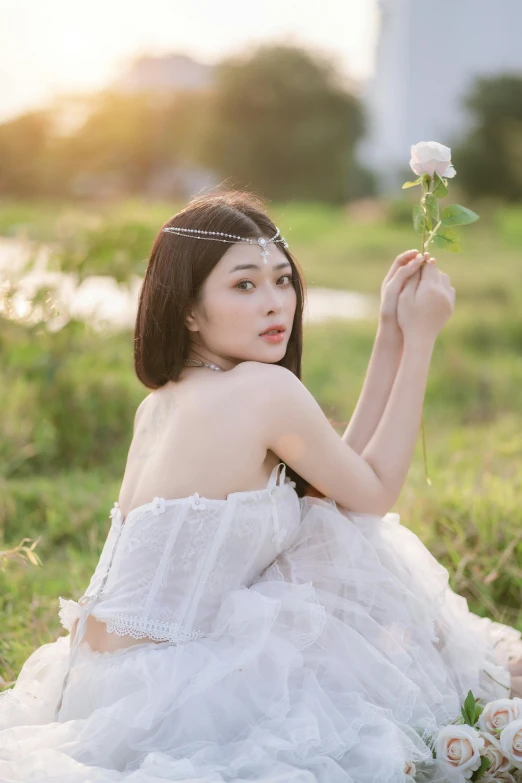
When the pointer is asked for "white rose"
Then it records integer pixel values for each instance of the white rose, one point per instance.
(498, 714)
(409, 769)
(460, 747)
(502, 777)
(428, 157)
(493, 751)
(511, 742)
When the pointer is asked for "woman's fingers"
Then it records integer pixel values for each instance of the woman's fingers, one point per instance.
(443, 278)
(401, 259)
(404, 273)
(410, 283)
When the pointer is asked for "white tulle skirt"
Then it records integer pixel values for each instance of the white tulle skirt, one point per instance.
(336, 666)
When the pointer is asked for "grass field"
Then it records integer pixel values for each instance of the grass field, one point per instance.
(59, 481)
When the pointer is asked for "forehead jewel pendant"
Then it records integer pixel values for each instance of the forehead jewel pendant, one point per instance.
(264, 249)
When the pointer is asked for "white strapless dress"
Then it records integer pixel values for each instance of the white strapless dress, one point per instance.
(296, 643)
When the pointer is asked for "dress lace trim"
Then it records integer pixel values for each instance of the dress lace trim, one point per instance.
(139, 627)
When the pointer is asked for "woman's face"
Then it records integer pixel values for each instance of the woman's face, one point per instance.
(241, 298)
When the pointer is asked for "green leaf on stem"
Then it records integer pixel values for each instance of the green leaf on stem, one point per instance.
(484, 765)
(440, 190)
(447, 239)
(426, 183)
(432, 207)
(469, 707)
(412, 184)
(419, 219)
(455, 215)
(479, 709)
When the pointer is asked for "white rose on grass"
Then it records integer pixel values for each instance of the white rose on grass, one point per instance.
(428, 157)
(494, 753)
(459, 747)
(498, 714)
(511, 742)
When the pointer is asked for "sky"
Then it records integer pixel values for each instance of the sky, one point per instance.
(59, 47)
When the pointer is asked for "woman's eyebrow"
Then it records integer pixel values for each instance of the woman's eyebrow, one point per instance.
(255, 266)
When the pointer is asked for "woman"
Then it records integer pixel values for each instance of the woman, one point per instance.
(242, 624)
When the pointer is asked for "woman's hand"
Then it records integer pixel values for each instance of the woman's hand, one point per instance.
(404, 266)
(425, 303)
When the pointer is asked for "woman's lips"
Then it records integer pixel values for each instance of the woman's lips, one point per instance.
(278, 337)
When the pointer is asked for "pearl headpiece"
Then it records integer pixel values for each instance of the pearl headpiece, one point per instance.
(219, 236)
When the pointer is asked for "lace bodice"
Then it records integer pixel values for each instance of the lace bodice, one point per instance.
(163, 571)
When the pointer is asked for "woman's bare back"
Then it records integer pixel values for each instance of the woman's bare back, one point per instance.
(195, 435)
(198, 434)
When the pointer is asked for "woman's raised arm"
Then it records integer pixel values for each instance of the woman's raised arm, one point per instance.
(292, 424)
(385, 357)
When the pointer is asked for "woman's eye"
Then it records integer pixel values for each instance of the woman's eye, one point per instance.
(243, 282)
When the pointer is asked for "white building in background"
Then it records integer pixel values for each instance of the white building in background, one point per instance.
(428, 55)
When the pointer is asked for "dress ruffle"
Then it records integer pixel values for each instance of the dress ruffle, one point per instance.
(335, 666)
(68, 613)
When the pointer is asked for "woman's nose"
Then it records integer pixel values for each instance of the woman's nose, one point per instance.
(274, 300)
(274, 295)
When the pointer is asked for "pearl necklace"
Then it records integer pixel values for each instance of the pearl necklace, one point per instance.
(212, 366)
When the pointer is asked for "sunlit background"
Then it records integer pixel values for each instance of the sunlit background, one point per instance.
(113, 114)
(52, 48)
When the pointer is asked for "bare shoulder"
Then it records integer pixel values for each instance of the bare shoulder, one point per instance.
(274, 392)
(272, 377)
(140, 409)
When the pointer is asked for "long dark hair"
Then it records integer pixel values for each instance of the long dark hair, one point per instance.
(176, 271)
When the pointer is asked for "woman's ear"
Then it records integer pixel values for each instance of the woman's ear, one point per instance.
(191, 322)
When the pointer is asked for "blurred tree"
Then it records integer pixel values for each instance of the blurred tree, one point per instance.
(281, 122)
(26, 145)
(489, 160)
(127, 139)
